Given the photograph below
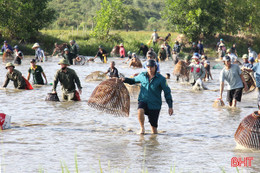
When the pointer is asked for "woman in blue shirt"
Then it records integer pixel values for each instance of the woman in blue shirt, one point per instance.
(149, 100)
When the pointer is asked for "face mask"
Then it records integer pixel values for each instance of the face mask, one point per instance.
(63, 68)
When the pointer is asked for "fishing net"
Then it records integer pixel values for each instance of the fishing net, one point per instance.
(181, 70)
(112, 97)
(248, 132)
(250, 81)
(96, 76)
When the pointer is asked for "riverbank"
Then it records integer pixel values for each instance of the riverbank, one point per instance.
(131, 40)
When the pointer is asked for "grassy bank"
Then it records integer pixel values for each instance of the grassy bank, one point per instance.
(132, 40)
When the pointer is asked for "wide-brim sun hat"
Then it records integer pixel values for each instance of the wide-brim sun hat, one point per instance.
(162, 46)
(36, 45)
(222, 44)
(121, 44)
(9, 64)
(245, 56)
(195, 57)
(64, 61)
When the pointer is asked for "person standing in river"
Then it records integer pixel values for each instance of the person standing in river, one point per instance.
(102, 53)
(144, 49)
(67, 78)
(68, 56)
(149, 100)
(37, 73)
(233, 75)
(112, 70)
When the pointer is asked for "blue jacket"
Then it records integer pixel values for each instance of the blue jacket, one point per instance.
(6, 47)
(151, 91)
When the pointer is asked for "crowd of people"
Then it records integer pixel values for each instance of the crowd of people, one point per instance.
(152, 82)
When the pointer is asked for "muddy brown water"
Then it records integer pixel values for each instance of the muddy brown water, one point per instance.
(197, 138)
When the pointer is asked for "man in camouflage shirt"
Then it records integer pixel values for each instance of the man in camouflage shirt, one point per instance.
(15, 76)
(67, 78)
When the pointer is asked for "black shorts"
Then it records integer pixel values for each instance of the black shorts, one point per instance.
(207, 69)
(234, 94)
(153, 115)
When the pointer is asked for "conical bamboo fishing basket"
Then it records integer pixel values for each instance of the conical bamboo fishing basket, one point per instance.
(96, 76)
(181, 70)
(248, 132)
(250, 80)
(112, 97)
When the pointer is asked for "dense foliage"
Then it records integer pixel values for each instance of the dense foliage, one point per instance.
(134, 14)
(21, 19)
(196, 17)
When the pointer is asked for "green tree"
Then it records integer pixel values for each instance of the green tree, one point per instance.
(195, 17)
(241, 15)
(108, 17)
(22, 19)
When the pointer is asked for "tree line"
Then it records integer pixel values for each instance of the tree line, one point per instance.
(22, 19)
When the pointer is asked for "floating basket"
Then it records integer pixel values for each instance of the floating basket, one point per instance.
(96, 76)
(248, 132)
(249, 81)
(52, 97)
(218, 103)
(112, 97)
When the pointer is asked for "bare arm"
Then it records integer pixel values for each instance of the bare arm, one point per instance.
(28, 76)
(44, 77)
(221, 89)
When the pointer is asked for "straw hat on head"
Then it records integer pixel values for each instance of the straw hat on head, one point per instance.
(36, 45)
(64, 61)
(229, 51)
(245, 56)
(9, 64)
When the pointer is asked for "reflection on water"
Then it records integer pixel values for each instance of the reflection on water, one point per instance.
(198, 138)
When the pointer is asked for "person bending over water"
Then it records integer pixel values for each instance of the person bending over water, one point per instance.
(149, 100)
(15, 76)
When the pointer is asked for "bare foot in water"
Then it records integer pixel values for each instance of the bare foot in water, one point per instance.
(141, 132)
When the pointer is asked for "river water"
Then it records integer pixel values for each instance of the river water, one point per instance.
(197, 138)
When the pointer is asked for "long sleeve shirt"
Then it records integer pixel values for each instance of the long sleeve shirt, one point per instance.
(151, 91)
(4, 48)
(67, 80)
(17, 78)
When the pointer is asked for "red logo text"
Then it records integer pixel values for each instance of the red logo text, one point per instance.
(239, 162)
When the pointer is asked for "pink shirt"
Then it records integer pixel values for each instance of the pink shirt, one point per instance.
(122, 51)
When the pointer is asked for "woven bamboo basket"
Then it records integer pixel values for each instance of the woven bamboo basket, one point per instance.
(218, 103)
(250, 80)
(112, 97)
(96, 76)
(181, 70)
(52, 97)
(248, 132)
